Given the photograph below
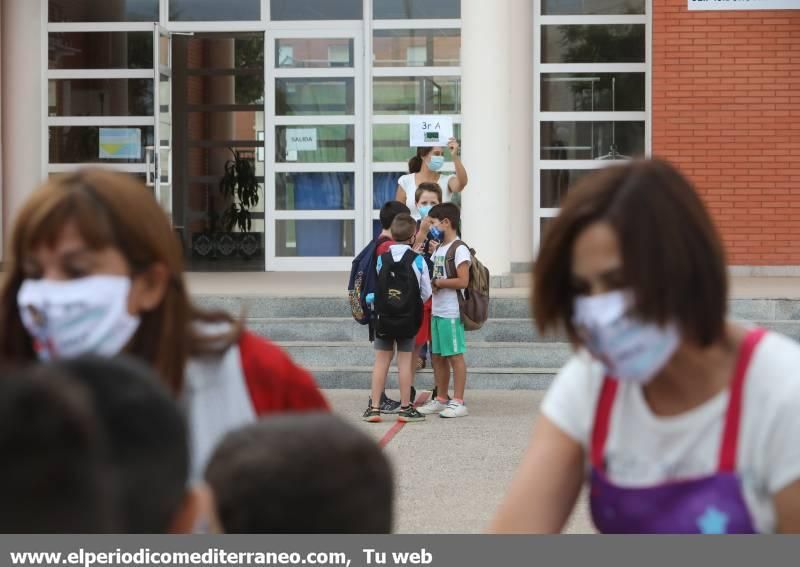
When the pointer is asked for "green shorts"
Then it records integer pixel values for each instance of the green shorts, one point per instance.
(447, 337)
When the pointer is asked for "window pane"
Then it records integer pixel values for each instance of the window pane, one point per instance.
(593, 44)
(592, 140)
(555, 185)
(384, 188)
(313, 53)
(416, 9)
(100, 97)
(100, 50)
(417, 95)
(317, 9)
(102, 11)
(214, 10)
(81, 144)
(590, 7)
(315, 144)
(391, 142)
(417, 48)
(314, 191)
(314, 97)
(315, 238)
(590, 92)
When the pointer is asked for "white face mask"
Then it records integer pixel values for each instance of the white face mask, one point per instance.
(66, 319)
(632, 351)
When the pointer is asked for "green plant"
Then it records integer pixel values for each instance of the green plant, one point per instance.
(240, 185)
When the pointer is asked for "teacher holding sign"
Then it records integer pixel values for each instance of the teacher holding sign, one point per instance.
(426, 166)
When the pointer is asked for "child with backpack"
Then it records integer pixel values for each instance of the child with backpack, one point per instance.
(403, 286)
(448, 343)
(364, 279)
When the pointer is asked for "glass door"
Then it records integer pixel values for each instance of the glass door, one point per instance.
(159, 155)
(314, 149)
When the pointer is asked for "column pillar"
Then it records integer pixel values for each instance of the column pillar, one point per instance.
(22, 45)
(486, 132)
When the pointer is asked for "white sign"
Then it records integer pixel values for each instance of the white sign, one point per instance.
(301, 139)
(430, 131)
(120, 143)
(744, 4)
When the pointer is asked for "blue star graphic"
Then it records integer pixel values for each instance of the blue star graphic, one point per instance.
(713, 522)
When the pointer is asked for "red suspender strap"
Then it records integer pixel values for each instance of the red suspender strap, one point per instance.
(602, 422)
(730, 436)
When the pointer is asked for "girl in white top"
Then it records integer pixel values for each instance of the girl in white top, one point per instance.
(679, 420)
(425, 167)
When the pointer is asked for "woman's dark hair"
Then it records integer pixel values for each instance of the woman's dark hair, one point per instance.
(415, 163)
(673, 258)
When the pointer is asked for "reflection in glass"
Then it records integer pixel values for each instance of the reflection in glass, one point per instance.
(417, 95)
(214, 10)
(592, 7)
(100, 97)
(100, 50)
(282, 10)
(81, 144)
(592, 92)
(416, 48)
(315, 238)
(102, 11)
(384, 188)
(324, 144)
(314, 97)
(596, 43)
(556, 183)
(592, 140)
(315, 191)
(313, 53)
(390, 142)
(416, 9)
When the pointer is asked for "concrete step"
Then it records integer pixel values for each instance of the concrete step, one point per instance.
(359, 378)
(259, 307)
(335, 355)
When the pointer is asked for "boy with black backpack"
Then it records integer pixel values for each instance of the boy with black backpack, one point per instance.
(364, 279)
(403, 286)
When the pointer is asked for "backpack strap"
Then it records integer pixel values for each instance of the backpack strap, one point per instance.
(451, 270)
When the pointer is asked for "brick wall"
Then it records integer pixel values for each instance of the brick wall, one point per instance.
(726, 110)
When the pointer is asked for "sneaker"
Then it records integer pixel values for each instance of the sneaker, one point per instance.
(410, 415)
(372, 415)
(388, 405)
(432, 407)
(454, 409)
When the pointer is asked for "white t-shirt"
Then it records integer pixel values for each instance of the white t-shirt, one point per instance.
(409, 184)
(445, 301)
(644, 449)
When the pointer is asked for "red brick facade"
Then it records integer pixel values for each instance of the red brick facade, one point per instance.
(726, 109)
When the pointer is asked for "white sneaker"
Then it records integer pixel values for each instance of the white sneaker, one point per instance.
(432, 407)
(455, 409)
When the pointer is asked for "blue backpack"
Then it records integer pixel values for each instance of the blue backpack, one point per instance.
(364, 281)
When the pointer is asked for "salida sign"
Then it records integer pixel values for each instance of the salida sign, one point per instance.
(301, 139)
(744, 4)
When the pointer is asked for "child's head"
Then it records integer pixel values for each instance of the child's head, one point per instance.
(404, 228)
(391, 210)
(301, 474)
(428, 195)
(53, 478)
(447, 217)
(148, 443)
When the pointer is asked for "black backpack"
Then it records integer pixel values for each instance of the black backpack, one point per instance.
(398, 305)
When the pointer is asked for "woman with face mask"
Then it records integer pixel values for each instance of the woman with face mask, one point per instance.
(679, 420)
(95, 268)
(425, 167)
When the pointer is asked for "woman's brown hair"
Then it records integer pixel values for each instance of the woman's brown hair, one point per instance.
(113, 210)
(673, 258)
(415, 163)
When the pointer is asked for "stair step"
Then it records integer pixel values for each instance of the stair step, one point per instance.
(359, 378)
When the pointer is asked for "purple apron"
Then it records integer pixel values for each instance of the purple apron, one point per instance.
(710, 505)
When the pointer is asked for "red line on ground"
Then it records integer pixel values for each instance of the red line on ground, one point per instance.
(398, 427)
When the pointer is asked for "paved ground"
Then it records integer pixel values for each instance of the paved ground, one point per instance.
(452, 474)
